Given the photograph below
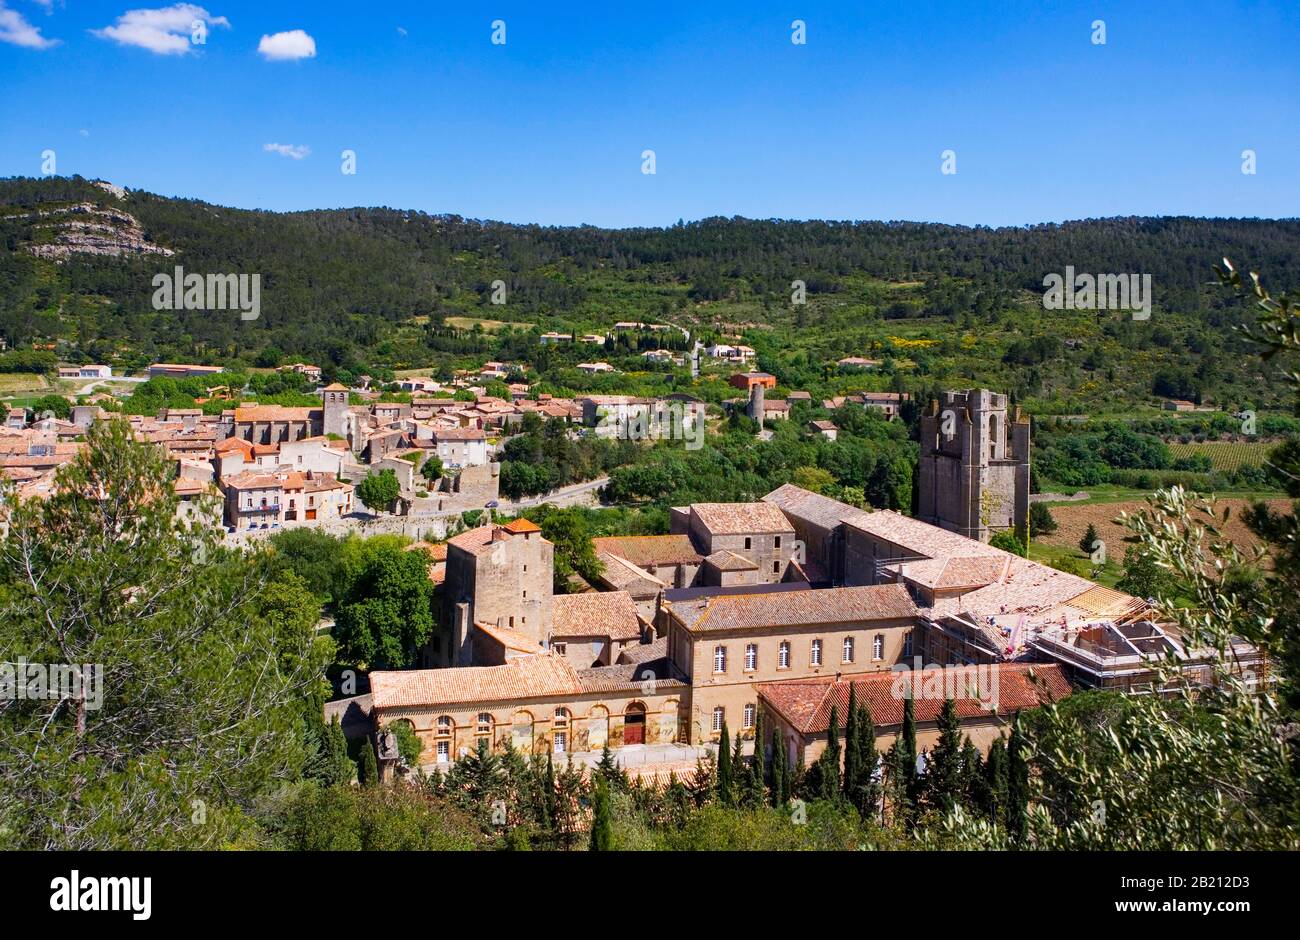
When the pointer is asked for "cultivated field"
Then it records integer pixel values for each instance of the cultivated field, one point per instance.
(1226, 455)
(1072, 521)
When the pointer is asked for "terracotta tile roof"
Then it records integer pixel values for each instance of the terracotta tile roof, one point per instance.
(522, 525)
(436, 552)
(822, 511)
(806, 703)
(795, 608)
(619, 573)
(942, 574)
(632, 677)
(233, 444)
(645, 652)
(918, 537)
(510, 639)
(599, 614)
(475, 540)
(644, 550)
(741, 518)
(730, 561)
(539, 676)
(459, 434)
(275, 413)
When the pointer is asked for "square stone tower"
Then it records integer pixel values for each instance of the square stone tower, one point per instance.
(500, 575)
(974, 470)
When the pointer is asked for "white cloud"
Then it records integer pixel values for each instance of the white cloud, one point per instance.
(294, 44)
(15, 29)
(83, 132)
(166, 31)
(401, 30)
(296, 151)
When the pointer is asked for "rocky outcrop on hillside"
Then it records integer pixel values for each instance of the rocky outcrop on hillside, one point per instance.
(87, 229)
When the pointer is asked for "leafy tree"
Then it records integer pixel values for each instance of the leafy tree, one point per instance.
(387, 614)
(432, 468)
(1143, 577)
(57, 405)
(379, 490)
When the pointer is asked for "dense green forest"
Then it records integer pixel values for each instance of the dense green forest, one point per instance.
(382, 289)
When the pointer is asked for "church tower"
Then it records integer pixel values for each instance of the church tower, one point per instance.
(974, 466)
(337, 413)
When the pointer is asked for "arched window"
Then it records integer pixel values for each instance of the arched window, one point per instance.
(848, 649)
(878, 647)
(719, 659)
(783, 656)
(561, 717)
(483, 726)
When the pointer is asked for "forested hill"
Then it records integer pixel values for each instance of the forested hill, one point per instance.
(352, 287)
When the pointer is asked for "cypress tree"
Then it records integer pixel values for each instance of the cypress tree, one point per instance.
(996, 781)
(778, 770)
(943, 771)
(602, 828)
(369, 765)
(852, 747)
(1017, 784)
(830, 780)
(907, 749)
(549, 808)
(759, 762)
(868, 793)
(336, 766)
(725, 779)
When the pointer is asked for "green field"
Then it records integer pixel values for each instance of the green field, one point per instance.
(1227, 455)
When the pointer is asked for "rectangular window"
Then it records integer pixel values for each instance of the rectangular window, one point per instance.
(848, 649)
(561, 741)
(718, 717)
(816, 658)
(778, 541)
(878, 647)
(783, 658)
(749, 718)
(444, 751)
(907, 645)
(559, 648)
(748, 543)
(720, 659)
(751, 657)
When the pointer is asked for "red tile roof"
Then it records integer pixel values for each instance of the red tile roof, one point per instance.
(806, 703)
(795, 608)
(539, 676)
(597, 614)
(644, 550)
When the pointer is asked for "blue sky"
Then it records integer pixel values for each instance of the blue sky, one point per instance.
(550, 127)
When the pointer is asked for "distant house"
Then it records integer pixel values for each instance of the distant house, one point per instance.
(553, 337)
(313, 373)
(1179, 404)
(592, 338)
(747, 380)
(595, 368)
(730, 353)
(85, 372)
(826, 429)
(460, 447)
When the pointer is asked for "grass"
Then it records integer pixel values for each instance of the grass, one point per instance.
(488, 326)
(14, 382)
